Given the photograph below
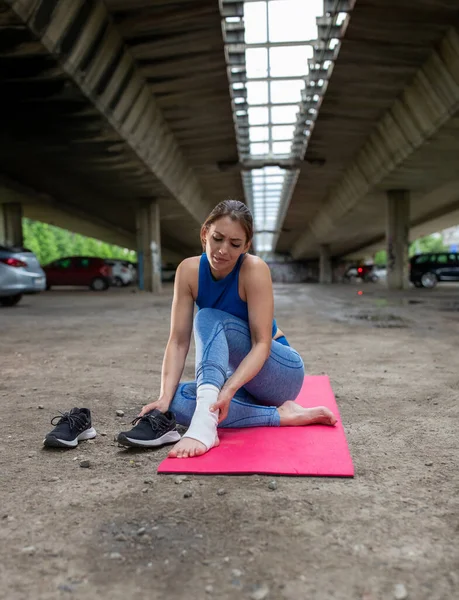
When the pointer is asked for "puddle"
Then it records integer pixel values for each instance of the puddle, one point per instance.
(453, 307)
(381, 320)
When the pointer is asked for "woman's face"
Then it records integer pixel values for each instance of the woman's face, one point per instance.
(226, 240)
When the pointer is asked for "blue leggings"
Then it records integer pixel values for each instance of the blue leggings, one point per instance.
(222, 342)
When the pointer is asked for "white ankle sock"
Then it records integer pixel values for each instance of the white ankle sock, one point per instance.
(203, 426)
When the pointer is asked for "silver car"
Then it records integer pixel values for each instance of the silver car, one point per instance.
(20, 273)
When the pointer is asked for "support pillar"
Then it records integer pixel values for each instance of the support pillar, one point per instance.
(398, 224)
(325, 265)
(149, 246)
(11, 224)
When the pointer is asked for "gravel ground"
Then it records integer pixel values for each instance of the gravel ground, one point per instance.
(117, 530)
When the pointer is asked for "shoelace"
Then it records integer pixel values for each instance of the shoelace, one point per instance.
(155, 421)
(74, 420)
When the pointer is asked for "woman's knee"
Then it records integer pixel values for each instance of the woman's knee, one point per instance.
(208, 315)
(298, 380)
(298, 384)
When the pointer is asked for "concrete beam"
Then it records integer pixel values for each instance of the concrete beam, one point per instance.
(89, 48)
(427, 104)
(433, 222)
(325, 265)
(149, 246)
(11, 224)
(40, 207)
(398, 218)
(79, 224)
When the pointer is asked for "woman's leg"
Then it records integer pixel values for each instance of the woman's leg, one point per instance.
(222, 342)
(243, 410)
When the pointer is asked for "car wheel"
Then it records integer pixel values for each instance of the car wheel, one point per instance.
(429, 280)
(118, 282)
(10, 300)
(98, 284)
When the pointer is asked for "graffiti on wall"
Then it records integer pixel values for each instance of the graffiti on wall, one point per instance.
(294, 272)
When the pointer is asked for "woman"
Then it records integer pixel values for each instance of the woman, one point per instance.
(247, 375)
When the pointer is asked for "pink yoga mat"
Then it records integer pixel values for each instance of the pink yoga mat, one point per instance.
(313, 450)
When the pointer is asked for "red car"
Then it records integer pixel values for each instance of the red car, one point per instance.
(79, 270)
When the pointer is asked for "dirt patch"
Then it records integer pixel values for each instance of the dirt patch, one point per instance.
(117, 530)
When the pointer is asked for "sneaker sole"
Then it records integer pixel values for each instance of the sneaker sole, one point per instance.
(53, 442)
(168, 438)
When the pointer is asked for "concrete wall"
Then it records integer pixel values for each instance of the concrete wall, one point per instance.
(294, 271)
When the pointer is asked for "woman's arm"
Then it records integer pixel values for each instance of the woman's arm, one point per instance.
(260, 301)
(179, 338)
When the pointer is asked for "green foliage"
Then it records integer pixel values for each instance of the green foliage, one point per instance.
(49, 243)
(380, 258)
(429, 243)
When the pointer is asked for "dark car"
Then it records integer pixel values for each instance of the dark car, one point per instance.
(361, 271)
(79, 270)
(426, 270)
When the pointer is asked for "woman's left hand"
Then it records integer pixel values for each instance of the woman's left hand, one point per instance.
(223, 402)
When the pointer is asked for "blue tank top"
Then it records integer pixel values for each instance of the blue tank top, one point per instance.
(223, 293)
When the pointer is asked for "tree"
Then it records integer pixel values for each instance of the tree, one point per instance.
(380, 258)
(39, 238)
(49, 243)
(428, 243)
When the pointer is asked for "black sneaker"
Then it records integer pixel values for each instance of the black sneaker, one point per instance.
(153, 429)
(71, 428)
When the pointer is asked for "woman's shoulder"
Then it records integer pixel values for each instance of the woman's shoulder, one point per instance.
(254, 270)
(188, 272)
(254, 264)
(190, 263)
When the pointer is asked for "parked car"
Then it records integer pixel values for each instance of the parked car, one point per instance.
(380, 271)
(79, 270)
(364, 272)
(122, 272)
(20, 273)
(427, 269)
(133, 268)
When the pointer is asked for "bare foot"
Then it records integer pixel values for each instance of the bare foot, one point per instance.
(292, 414)
(189, 447)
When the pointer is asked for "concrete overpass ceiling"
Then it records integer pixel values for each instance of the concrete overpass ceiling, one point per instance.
(385, 45)
(432, 175)
(59, 140)
(112, 103)
(431, 165)
(178, 49)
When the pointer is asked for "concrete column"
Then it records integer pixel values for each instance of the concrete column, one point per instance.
(11, 224)
(398, 223)
(149, 246)
(325, 265)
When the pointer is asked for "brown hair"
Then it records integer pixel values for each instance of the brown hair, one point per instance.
(236, 211)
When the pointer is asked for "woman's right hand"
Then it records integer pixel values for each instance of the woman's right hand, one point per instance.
(161, 404)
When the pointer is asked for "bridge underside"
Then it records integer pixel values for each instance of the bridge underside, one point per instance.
(389, 120)
(432, 176)
(108, 105)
